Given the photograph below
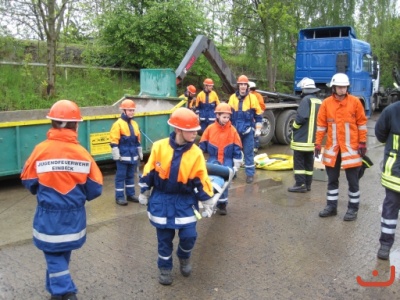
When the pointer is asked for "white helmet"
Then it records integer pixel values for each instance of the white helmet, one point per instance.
(306, 83)
(252, 84)
(339, 79)
(308, 86)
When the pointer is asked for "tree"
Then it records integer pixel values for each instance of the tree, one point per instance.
(152, 35)
(40, 19)
(51, 15)
(265, 33)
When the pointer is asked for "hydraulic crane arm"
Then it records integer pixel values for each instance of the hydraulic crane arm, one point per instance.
(203, 45)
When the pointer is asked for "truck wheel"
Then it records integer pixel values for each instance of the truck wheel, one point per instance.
(284, 126)
(268, 128)
(374, 103)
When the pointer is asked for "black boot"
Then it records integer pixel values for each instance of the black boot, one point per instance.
(132, 199)
(165, 277)
(70, 296)
(185, 266)
(298, 189)
(222, 209)
(122, 202)
(384, 252)
(328, 211)
(351, 214)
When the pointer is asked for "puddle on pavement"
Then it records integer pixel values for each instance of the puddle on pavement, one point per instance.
(274, 191)
(291, 200)
(261, 186)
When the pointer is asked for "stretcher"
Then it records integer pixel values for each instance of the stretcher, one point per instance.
(221, 177)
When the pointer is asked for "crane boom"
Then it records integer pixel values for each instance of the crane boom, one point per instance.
(203, 45)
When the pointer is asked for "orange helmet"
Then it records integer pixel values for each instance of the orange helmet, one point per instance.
(127, 104)
(208, 81)
(65, 111)
(223, 108)
(191, 89)
(184, 119)
(243, 79)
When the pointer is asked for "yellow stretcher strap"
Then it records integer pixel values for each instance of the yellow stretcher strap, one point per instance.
(274, 162)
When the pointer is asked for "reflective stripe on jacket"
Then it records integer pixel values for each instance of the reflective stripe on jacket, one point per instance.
(387, 130)
(345, 124)
(62, 175)
(179, 178)
(125, 135)
(305, 124)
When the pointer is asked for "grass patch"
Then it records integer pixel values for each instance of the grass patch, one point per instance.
(24, 87)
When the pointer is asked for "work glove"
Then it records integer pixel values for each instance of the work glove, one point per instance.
(257, 131)
(208, 207)
(115, 153)
(317, 150)
(140, 152)
(236, 165)
(144, 197)
(362, 149)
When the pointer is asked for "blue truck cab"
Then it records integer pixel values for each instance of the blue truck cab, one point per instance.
(325, 51)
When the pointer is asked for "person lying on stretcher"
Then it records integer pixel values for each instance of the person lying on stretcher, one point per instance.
(221, 176)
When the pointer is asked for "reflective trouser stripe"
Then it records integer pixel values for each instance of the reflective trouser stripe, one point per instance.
(389, 217)
(58, 278)
(303, 165)
(248, 151)
(165, 236)
(124, 180)
(352, 180)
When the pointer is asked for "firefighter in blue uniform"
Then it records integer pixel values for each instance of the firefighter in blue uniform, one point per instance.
(206, 102)
(247, 119)
(176, 172)
(64, 176)
(223, 145)
(387, 130)
(126, 151)
(303, 136)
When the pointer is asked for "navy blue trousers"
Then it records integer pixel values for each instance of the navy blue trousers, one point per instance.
(390, 214)
(187, 240)
(58, 278)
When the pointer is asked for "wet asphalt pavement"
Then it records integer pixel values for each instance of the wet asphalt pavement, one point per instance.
(271, 245)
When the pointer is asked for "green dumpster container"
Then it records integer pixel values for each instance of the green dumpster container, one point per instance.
(21, 131)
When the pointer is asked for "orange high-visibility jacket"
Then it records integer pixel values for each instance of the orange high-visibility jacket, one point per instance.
(260, 99)
(345, 124)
